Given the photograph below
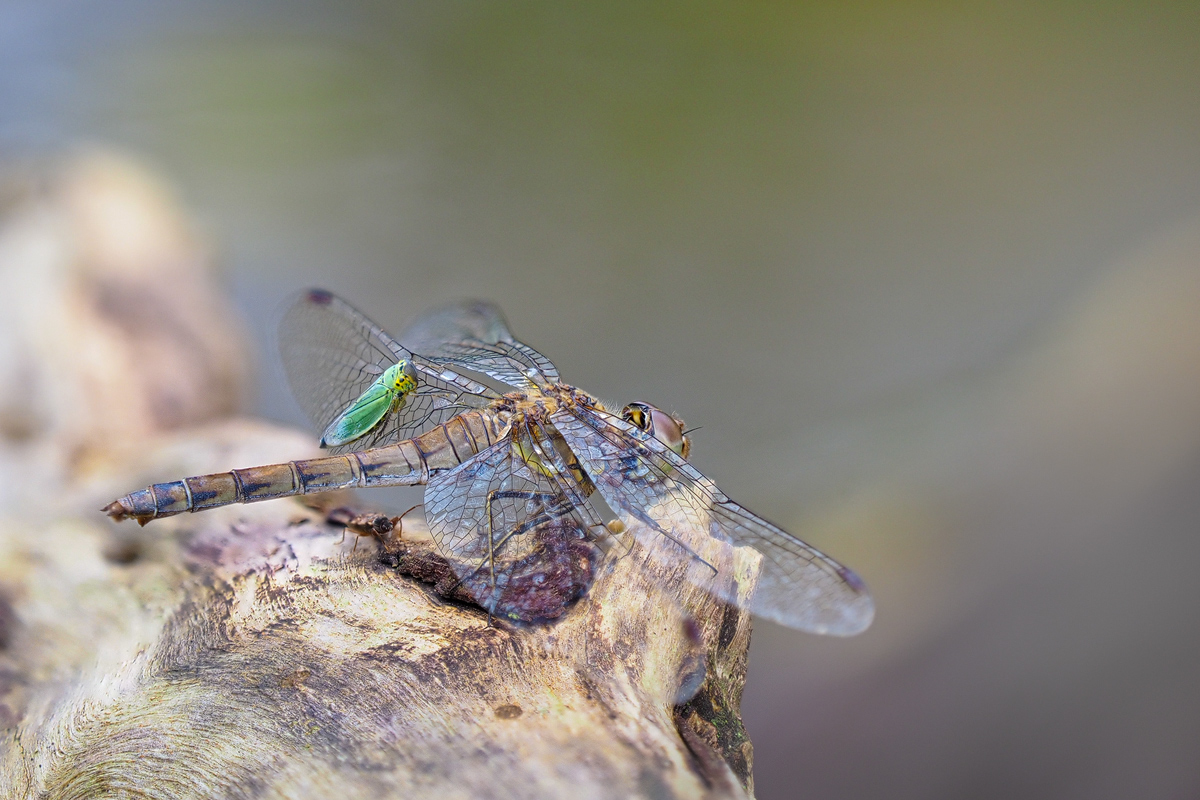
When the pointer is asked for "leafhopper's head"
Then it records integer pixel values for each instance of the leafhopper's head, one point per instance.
(667, 428)
(403, 377)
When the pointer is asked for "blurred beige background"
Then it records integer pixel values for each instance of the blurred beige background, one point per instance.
(928, 278)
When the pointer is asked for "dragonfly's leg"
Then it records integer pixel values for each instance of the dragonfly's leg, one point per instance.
(530, 523)
(549, 510)
(493, 548)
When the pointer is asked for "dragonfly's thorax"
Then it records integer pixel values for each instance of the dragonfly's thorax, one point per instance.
(538, 405)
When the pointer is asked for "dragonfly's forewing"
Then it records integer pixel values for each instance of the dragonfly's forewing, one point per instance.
(332, 353)
(473, 334)
(517, 543)
(661, 498)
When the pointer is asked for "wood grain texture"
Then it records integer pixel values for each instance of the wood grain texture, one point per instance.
(256, 652)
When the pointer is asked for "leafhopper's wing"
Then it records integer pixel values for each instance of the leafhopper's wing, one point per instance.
(333, 353)
(474, 335)
(667, 503)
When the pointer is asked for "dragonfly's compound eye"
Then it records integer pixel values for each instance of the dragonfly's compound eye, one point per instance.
(666, 428)
(638, 414)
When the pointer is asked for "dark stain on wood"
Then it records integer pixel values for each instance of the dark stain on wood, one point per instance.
(508, 711)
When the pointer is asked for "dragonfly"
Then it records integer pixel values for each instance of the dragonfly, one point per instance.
(507, 451)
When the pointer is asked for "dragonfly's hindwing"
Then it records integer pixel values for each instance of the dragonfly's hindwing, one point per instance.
(512, 537)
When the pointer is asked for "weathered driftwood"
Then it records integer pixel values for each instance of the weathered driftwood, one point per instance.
(254, 651)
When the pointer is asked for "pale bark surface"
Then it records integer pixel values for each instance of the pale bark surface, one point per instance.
(252, 651)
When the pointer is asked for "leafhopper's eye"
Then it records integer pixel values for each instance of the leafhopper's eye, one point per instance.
(406, 376)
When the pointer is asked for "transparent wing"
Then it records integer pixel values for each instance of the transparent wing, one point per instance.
(662, 498)
(473, 334)
(332, 353)
(467, 319)
(518, 544)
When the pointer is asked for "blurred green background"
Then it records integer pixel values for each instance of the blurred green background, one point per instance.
(928, 276)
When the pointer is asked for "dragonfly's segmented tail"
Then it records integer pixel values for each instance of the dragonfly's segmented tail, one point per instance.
(405, 463)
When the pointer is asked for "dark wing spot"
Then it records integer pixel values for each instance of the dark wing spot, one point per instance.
(851, 578)
(320, 297)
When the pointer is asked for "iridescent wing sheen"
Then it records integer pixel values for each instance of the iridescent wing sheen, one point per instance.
(474, 335)
(516, 540)
(332, 353)
(662, 499)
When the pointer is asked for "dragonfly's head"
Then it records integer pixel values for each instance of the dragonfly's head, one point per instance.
(665, 427)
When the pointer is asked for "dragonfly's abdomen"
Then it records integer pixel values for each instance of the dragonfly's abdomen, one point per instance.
(405, 463)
